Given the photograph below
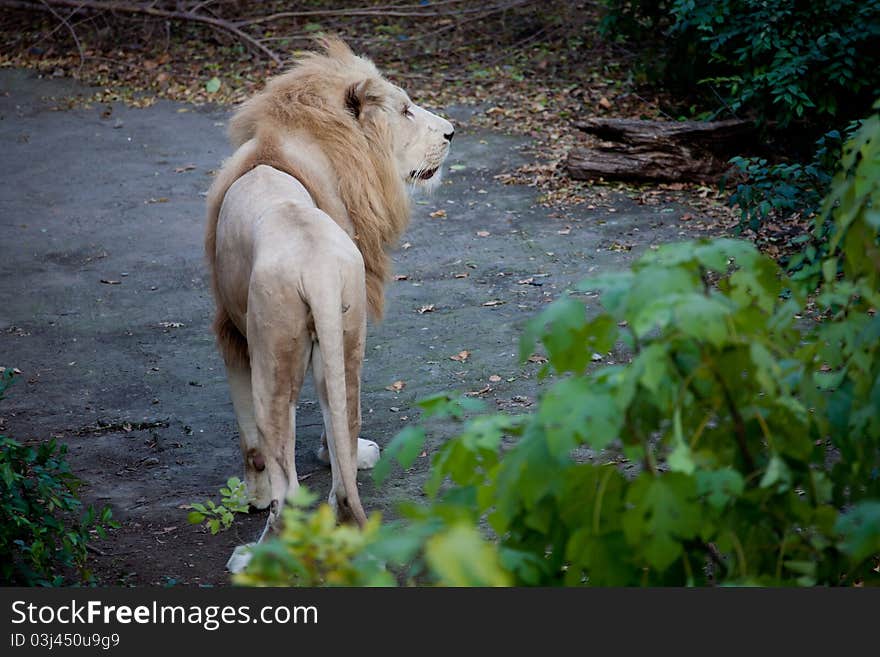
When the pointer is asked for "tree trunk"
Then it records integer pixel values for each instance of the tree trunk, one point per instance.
(657, 151)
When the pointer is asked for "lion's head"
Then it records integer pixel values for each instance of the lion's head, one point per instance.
(378, 142)
(419, 139)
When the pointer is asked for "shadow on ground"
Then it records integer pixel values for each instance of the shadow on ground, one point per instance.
(106, 311)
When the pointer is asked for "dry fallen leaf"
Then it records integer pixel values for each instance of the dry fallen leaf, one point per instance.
(185, 167)
(438, 214)
(494, 302)
(494, 378)
(564, 231)
(161, 199)
(461, 356)
(537, 358)
(483, 233)
(400, 277)
(426, 309)
(481, 391)
(167, 325)
(397, 386)
(604, 102)
(464, 275)
(108, 281)
(526, 281)
(405, 246)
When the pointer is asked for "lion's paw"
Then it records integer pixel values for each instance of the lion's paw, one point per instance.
(368, 454)
(241, 557)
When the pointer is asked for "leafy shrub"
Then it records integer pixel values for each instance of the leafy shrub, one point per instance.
(219, 517)
(749, 437)
(313, 550)
(776, 60)
(43, 537)
(784, 189)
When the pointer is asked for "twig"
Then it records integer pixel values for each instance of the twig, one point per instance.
(60, 26)
(353, 11)
(98, 551)
(392, 11)
(739, 425)
(149, 10)
(64, 21)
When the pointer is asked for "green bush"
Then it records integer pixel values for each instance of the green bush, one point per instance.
(782, 190)
(776, 60)
(43, 535)
(740, 445)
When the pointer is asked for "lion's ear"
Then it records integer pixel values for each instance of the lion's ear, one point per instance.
(358, 96)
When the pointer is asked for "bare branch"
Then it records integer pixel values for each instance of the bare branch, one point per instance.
(395, 11)
(66, 23)
(149, 10)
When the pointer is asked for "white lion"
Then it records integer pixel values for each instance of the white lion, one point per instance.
(300, 219)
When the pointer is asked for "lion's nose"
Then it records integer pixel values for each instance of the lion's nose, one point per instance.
(449, 135)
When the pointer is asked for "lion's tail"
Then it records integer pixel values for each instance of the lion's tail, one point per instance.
(328, 326)
(232, 344)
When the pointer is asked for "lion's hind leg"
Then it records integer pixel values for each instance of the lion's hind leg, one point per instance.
(280, 350)
(256, 477)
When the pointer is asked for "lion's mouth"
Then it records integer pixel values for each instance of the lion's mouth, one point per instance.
(423, 175)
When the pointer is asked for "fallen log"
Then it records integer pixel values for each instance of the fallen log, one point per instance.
(657, 151)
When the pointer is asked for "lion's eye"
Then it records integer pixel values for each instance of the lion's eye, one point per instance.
(407, 111)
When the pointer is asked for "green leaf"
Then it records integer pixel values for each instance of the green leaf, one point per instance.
(302, 498)
(212, 86)
(603, 559)
(680, 458)
(405, 447)
(860, 530)
(443, 405)
(569, 338)
(576, 410)
(777, 475)
(653, 363)
(460, 557)
(720, 486)
(663, 513)
(614, 287)
(195, 518)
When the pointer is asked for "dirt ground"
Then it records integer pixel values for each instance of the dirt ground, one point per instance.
(105, 309)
